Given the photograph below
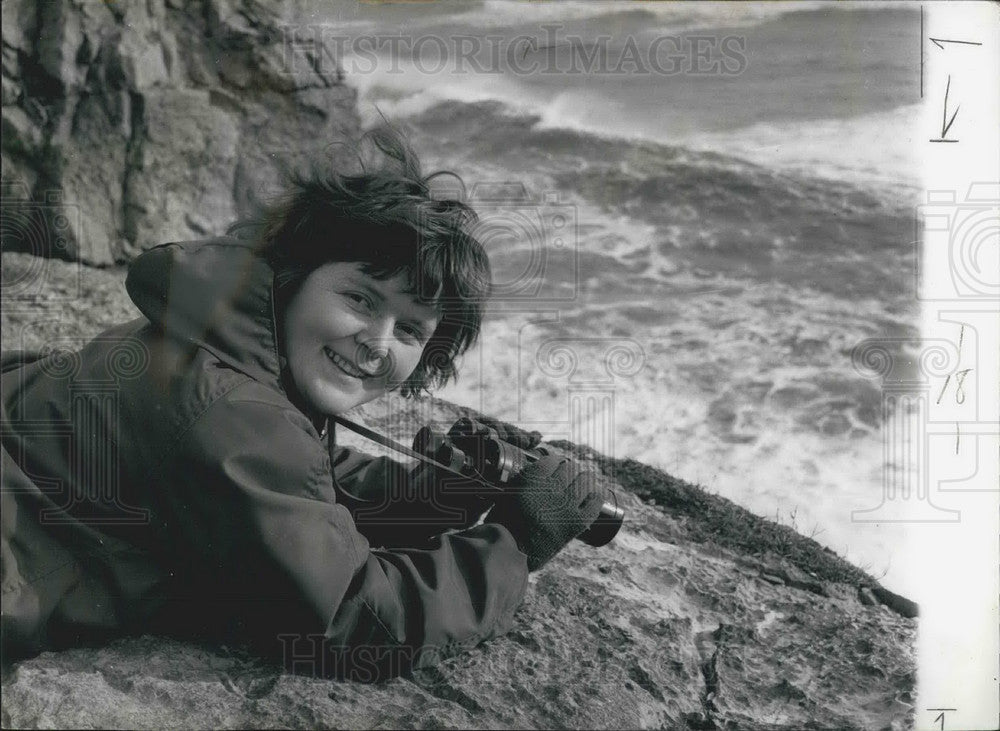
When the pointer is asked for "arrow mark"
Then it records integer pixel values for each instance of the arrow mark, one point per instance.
(938, 41)
(945, 122)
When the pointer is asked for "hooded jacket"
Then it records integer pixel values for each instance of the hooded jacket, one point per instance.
(161, 479)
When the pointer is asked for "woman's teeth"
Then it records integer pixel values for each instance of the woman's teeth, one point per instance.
(345, 366)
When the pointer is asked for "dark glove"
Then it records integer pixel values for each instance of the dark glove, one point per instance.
(449, 492)
(459, 502)
(551, 502)
(513, 434)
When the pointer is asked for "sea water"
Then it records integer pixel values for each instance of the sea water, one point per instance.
(694, 257)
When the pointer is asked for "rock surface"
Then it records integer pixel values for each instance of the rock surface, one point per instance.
(122, 121)
(699, 615)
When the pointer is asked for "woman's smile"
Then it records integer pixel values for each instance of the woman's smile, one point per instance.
(345, 366)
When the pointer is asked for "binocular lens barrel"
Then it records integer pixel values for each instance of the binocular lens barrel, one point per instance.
(483, 455)
(605, 527)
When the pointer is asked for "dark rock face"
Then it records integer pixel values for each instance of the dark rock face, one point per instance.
(124, 123)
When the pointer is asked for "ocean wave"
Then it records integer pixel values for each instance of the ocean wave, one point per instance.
(492, 15)
(397, 88)
(677, 16)
(710, 210)
(876, 150)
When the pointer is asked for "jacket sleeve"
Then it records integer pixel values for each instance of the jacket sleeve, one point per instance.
(249, 504)
(397, 506)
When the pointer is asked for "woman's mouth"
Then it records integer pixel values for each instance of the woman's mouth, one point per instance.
(344, 365)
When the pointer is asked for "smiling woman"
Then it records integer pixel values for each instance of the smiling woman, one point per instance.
(203, 495)
(390, 223)
(349, 337)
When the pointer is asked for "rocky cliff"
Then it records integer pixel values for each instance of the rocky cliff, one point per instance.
(124, 122)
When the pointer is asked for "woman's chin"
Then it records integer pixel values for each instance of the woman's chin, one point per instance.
(333, 404)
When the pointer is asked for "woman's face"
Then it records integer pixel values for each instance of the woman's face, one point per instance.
(349, 337)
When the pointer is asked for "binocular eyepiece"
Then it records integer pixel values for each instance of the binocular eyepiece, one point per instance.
(476, 450)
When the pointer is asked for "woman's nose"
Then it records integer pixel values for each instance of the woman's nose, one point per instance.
(376, 361)
(374, 353)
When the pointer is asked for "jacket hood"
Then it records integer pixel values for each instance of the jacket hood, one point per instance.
(216, 294)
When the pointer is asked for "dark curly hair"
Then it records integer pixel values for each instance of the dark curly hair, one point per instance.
(384, 217)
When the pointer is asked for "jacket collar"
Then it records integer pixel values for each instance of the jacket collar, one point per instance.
(216, 294)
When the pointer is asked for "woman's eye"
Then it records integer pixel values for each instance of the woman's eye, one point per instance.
(413, 333)
(357, 298)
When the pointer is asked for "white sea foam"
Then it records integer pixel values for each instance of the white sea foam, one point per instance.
(401, 88)
(879, 147)
(659, 412)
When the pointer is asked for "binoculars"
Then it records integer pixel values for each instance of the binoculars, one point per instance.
(475, 450)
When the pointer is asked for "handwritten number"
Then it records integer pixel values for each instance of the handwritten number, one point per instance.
(959, 380)
(960, 377)
(944, 388)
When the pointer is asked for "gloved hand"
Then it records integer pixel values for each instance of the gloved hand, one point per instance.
(551, 502)
(449, 492)
(513, 434)
(459, 502)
